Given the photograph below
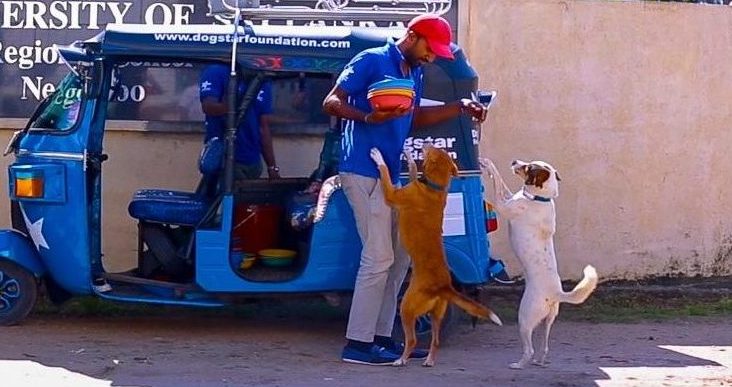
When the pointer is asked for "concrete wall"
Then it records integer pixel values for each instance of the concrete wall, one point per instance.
(631, 102)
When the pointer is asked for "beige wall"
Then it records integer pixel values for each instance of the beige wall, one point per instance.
(631, 102)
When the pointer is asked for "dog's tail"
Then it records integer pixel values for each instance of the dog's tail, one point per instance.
(583, 289)
(472, 307)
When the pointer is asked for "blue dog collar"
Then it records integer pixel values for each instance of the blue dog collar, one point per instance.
(536, 197)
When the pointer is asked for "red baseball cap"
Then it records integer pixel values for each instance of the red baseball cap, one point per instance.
(436, 31)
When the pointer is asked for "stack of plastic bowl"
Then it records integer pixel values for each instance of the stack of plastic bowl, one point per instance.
(277, 257)
(391, 94)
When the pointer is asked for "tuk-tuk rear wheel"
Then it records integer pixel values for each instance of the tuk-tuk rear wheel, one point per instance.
(18, 292)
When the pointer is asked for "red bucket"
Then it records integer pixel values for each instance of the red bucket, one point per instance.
(256, 227)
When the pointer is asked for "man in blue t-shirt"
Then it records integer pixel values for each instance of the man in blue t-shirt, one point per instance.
(253, 137)
(384, 263)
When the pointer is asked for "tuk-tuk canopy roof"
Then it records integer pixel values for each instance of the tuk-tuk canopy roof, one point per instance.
(263, 47)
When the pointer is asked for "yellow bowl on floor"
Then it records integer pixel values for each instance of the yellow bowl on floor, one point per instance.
(277, 257)
(248, 261)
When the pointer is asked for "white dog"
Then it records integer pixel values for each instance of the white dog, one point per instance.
(531, 220)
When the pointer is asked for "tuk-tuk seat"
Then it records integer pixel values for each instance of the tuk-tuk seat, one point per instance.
(178, 207)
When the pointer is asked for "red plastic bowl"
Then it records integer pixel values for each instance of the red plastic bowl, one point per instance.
(390, 102)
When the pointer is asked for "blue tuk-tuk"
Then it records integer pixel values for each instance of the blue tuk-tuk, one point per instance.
(187, 241)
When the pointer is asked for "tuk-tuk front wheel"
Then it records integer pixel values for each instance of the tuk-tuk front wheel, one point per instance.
(18, 292)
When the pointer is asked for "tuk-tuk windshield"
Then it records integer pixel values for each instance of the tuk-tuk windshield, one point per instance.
(62, 111)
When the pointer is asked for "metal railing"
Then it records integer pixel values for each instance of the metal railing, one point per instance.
(327, 10)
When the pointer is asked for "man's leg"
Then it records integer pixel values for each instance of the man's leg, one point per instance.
(373, 221)
(397, 272)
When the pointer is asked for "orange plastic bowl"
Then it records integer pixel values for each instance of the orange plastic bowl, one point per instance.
(407, 93)
(390, 102)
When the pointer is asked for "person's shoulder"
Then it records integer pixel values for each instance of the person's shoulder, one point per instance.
(375, 51)
(216, 69)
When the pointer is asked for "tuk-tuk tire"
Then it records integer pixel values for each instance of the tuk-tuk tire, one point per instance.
(14, 279)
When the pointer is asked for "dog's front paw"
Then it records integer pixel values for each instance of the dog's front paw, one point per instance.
(401, 362)
(515, 366)
(428, 362)
(487, 166)
(540, 363)
(408, 157)
(377, 157)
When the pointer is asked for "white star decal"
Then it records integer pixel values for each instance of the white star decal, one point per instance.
(205, 86)
(35, 230)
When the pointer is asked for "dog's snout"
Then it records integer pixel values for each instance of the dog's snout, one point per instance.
(514, 162)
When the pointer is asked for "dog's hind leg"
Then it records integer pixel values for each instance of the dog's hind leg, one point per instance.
(409, 313)
(540, 358)
(531, 313)
(436, 315)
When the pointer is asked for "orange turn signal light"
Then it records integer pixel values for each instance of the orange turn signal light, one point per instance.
(28, 185)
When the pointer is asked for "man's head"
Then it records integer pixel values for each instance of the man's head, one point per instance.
(428, 36)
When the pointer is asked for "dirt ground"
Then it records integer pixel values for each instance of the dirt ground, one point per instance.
(301, 347)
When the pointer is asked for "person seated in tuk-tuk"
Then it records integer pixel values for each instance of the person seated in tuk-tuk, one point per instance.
(253, 135)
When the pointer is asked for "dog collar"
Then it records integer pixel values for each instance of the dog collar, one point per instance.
(431, 184)
(536, 197)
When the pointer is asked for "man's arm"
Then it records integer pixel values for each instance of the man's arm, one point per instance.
(267, 147)
(212, 107)
(429, 115)
(336, 104)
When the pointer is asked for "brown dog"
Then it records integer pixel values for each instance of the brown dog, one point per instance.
(420, 205)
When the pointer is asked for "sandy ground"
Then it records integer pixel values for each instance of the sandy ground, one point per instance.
(300, 348)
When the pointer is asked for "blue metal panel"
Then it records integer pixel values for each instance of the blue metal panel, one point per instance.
(16, 247)
(467, 255)
(61, 231)
(332, 263)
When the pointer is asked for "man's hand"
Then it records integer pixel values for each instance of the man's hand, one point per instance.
(474, 109)
(377, 157)
(273, 173)
(379, 116)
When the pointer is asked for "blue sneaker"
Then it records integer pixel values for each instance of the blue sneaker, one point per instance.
(497, 272)
(417, 353)
(375, 356)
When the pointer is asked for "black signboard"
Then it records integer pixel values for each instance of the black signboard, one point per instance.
(30, 67)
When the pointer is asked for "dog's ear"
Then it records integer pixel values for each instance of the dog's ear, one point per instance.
(536, 176)
(453, 169)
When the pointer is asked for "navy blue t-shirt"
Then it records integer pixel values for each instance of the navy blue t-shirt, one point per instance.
(364, 69)
(214, 83)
